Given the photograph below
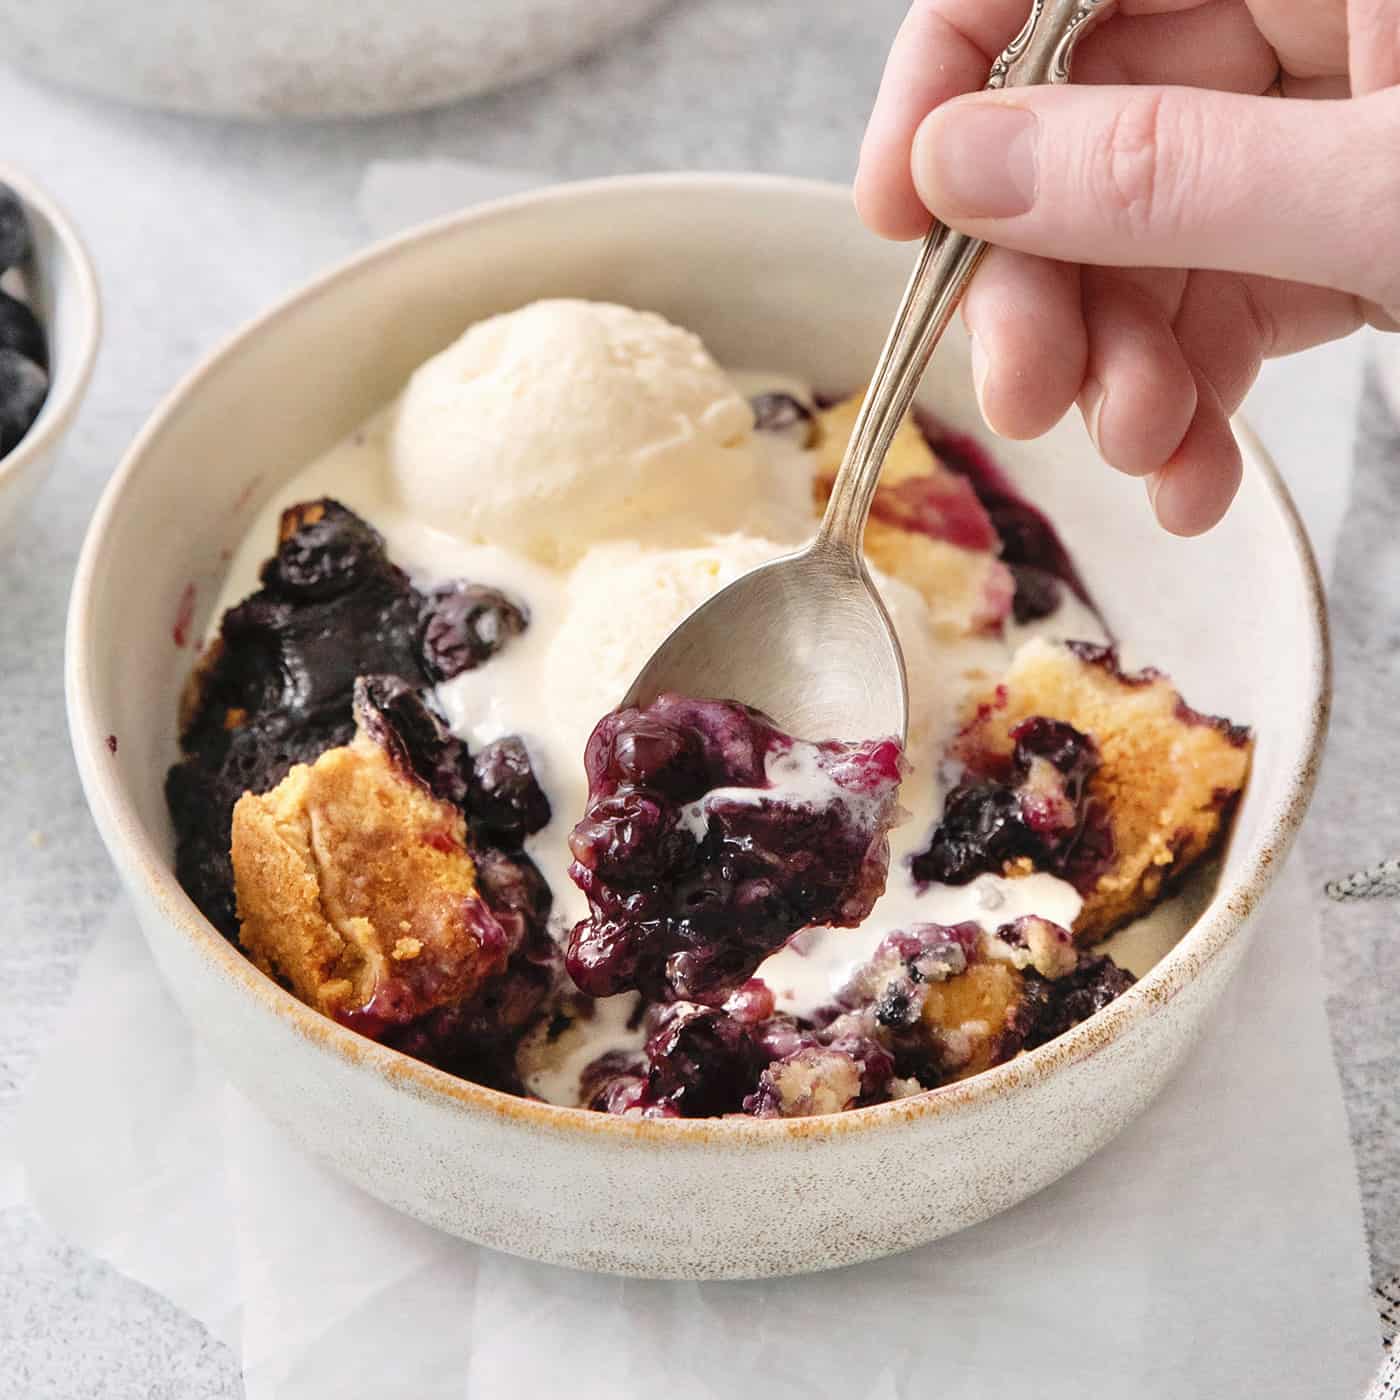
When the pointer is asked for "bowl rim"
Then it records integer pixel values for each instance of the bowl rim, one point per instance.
(144, 866)
(61, 404)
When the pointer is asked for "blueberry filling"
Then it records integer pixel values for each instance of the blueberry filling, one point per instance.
(1030, 544)
(278, 687)
(784, 416)
(874, 1043)
(1093, 985)
(395, 715)
(1034, 807)
(465, 625)
(697, 866)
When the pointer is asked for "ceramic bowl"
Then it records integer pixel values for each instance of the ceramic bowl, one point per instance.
(63, 291)
(270, 59)
(771, 272)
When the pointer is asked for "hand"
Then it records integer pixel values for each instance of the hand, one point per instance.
(1162, 227)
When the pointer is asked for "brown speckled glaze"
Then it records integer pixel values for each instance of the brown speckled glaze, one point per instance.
(692, 1199)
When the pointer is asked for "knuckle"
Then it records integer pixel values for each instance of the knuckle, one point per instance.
(1139, 180)
(1260, 317)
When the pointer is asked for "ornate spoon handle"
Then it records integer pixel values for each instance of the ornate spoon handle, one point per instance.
(1040, 53)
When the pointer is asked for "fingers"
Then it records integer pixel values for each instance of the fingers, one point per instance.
(1173, 177)
(1374, 45)
(1211, 45)
(944, 48)
(1310, 38)
(1029, 341)
(1194, 490)
(1314, 89)
(1139, 394)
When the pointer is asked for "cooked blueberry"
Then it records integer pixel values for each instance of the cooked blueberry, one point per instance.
(465, 624)
(701, 1061)
(1036, 808)
(20, 331)
(1038, 593)
(505, 796)
(14, 229)
(692, 883)
(1072, 999)
(325, 551)
(332, 609)
(1027, 537)
(515, 892)
(661, 756)
(981, 830)
(394, 714)
(23, 388)
(781, 413)
(1073, 755)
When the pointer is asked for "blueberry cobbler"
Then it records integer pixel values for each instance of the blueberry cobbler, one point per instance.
(406, 795)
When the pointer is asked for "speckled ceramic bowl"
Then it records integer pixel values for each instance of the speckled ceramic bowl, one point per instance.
(271, 59)
(63, 289)
(770, 272)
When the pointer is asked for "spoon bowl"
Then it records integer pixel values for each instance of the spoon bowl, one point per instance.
(804, 638)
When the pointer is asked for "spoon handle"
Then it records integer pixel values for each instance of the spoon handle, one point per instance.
(1040, 53)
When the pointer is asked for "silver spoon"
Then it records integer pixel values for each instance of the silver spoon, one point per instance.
(806, 637)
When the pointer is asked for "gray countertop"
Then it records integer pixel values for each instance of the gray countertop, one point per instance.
(195, 226)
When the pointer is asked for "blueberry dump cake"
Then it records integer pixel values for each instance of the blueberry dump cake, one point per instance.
(406, 795)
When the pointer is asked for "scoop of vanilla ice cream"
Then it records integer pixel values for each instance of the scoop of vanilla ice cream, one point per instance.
(550, 428)
(624, 600)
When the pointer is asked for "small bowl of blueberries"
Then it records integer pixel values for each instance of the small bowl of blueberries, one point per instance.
(50, 325)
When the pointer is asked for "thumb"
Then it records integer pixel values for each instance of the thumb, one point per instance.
(1175, 177)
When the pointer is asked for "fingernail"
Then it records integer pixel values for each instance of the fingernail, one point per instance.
(1091, 401)
(981, 368)
(976, 160)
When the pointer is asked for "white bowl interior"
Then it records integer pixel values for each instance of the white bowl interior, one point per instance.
(770, 274)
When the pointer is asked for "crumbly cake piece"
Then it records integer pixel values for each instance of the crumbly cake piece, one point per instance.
(967, 593)
(355, 886)
(909, 456)
(1166, 779)
(926, 527)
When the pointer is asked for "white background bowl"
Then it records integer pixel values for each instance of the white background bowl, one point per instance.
(770, 272)
(63, 292)
(303, 58)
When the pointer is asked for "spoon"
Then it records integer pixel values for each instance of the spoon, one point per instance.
(806, 638)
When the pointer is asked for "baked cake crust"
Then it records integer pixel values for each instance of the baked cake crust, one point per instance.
(1167, 778)
(355, 886)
